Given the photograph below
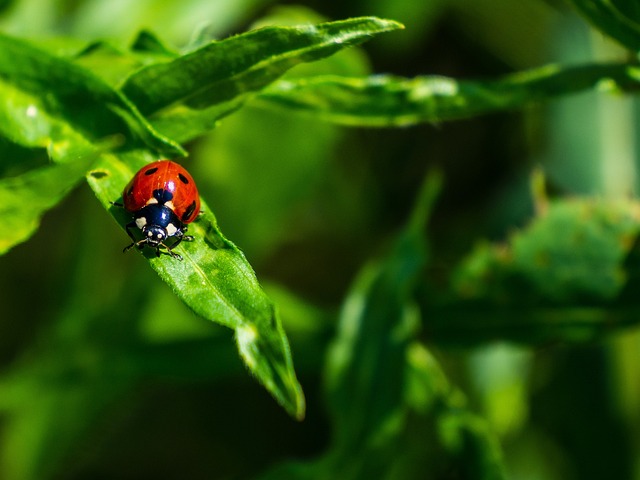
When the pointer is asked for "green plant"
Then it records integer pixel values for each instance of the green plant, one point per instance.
(73, 110)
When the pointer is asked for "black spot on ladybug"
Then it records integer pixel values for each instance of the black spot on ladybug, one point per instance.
(183, 179)
(189, 211)
(162, 196)
(151, 171)
(130, 191)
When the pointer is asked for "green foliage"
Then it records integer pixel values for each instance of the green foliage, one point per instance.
(180, 94)
(618, 19)
(215, 280)
(304, 205)
(388, 101)
(574, 251)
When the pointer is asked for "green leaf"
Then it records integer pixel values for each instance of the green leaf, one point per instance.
(462, 439)
(216, 281)
(575, 250)
(609, 19)
(150, 46)
(108, 62)
(390, 101)
(186, 96)
(60, 101)
(365, 370)
(114, 65)
(554, 280)
(24, 198)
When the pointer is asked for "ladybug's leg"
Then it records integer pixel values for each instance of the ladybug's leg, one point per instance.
(182, 236)
(170, 249)
(175, 255)
(140, 244)
(134, 242)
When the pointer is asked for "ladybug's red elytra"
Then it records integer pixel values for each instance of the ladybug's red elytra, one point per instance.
(163, 199)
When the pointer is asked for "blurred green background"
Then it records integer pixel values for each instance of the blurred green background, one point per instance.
(309, 203)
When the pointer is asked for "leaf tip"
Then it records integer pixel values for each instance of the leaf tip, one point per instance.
(386, 25)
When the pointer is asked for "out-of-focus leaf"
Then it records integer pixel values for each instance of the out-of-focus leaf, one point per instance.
(108, 62)
(463, 442)
(175, 19)
(259, 180)
(366, 364)
(573, 251)
(26, 197)
(151, 46)
(607, 17)
(216, 281)
(500, 377)
(553, 280)
(77, 109)
(185, 97)
(629, 8)
(387, 101)
(114, 65)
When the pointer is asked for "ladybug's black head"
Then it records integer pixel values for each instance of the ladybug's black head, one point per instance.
(154, 234)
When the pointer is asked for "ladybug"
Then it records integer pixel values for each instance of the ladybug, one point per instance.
(163, 199)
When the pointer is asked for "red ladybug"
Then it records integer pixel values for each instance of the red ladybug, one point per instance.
(163, 199)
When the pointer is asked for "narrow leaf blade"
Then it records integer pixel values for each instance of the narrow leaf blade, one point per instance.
(390, 101)
(365, 372)
(201, 82)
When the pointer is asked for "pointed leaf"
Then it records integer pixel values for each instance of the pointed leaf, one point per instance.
(388, 101)
(202, 86)
(365, 371)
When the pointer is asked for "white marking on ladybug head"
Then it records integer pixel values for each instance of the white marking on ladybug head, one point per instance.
(155, 234)
(151, 201)
(169, 204)
(171, 230)
(141, 222)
